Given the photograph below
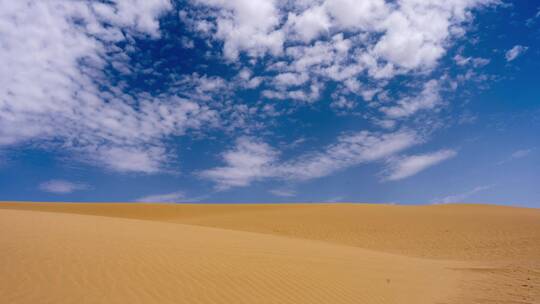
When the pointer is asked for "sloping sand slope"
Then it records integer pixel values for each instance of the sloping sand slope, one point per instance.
(144, 253)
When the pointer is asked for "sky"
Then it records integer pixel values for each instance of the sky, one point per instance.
(258, 101)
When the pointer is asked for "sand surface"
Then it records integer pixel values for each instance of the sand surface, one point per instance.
(319, 253)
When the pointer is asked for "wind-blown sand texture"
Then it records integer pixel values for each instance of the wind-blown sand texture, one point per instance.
(298, 253)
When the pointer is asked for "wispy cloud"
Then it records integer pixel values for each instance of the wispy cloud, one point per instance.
(518, 154)
(474, 61)
(403, 167)
(334, 199)
(62, 186)
(132, 159)
(428, 99)
(531, 21)
(521, 153)
(174, 197)
(283, 192)
(248, 161)
(515, 52)
(460, 197)
(252, 160)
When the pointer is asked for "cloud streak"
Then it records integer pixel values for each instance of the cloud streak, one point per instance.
(518, 154)
(283, 192)
(174, 197)
(404, 167)
(251, 160)
(459, 198)
(61, 186)
(515, 52)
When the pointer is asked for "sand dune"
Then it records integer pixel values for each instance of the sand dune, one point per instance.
(336, 253)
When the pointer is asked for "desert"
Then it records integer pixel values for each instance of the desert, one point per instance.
(268, 253)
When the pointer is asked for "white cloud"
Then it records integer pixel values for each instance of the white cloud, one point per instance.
(342, 103)
(403, 167)
(515, 52)
(459, 198)
(387, 124)
(531, 21)
(460, 60)
(283, 192)
(61, 186)
(349, 150)
(310, 23)
(252, 160)
(518, 154)
(247, 25)
(290, 79)
(350, 14)
(249, 161)
(389, 37)
(521, 153)
(335, 199)
(475, 61)
(53, 87)
(132, 159)
(409, 42)
(174, 197)
(308, 94)
(428, 99)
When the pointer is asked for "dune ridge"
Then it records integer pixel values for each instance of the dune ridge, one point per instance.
(298, 253)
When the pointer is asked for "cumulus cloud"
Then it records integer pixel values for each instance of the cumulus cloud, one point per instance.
(252, 160)
(61, 186)
(303, 46)
(515, 52)
(403, 167)
(310, 23)
(342, 103)
(411, 34)
(54, 54)
(246, 25)
(174, 197)
(56, 86)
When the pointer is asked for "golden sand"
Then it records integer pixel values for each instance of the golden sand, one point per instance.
(298, 253)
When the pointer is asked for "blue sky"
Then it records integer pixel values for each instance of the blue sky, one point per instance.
(407, 101)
